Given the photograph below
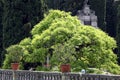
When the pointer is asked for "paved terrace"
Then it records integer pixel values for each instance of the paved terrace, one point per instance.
(38, 75)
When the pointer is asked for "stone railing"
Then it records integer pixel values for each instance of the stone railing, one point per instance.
(35, 75)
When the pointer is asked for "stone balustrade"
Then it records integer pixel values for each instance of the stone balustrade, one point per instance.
(39, 75)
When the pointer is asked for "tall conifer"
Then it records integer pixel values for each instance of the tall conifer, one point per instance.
(118, 33)
(1, 27)
(19, 18)
(110, 18)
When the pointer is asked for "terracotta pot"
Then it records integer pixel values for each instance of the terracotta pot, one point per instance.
(15, 66)
(65, 68)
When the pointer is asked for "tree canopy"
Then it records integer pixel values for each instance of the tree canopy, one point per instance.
(93, 48)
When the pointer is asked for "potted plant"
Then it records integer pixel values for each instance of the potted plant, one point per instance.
(63, 54)
(15, 52)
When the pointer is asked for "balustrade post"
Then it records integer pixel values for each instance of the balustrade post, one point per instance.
(14, 76)
(63, 76)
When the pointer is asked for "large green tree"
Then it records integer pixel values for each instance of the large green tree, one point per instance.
(93, 47)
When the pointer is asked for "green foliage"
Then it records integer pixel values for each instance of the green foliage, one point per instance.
(41, 68)
(7, 62)
(28, 49)
(50, 20)
(14, 54)
(31, 54)
(62, 54)
(93, 46)
(95, 71)
(54, 32)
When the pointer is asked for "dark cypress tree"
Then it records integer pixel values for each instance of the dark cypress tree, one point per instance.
(1, 28)
(116, 20)
(19, 18)
(110, 18)
(100, 8)
(118, 33)
(66, 5)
